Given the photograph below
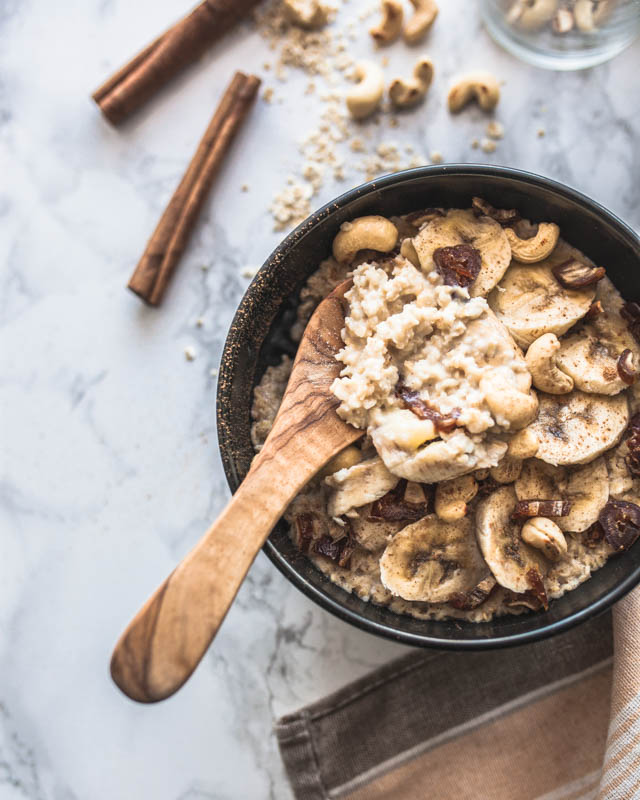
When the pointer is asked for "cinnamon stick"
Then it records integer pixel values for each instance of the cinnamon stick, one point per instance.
(153, 273)
(167, 55)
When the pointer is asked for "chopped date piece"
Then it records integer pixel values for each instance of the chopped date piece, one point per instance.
(418, 218)
(593, 535)
(393, 507)
(620, 521)
(541, 508)
(304, 528)
(537, 587)
(626, 368)
(573, 274)
(338, 550)
(633, 444)
(459, 265)
(444, 423)
(522, 600)
(467, 601)
(595, 309)
(504, 216)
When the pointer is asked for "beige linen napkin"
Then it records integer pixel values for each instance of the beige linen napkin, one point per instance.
(530, 722)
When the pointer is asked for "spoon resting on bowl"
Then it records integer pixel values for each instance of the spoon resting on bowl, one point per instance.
(166, 639)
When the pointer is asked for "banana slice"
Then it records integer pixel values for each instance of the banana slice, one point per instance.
(587, 489)
(431, 560)
(539, 481)
(514, 564)
(358, 485)
(529, 301)
(590, 356)
(463, 227)
(576, 428)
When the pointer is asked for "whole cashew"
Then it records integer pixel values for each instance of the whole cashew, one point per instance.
(390, 26)
(543, 534)
(365, 97)
(479, 86)
(529, 251)
(308, 14)
(364, 233)
(408, 250)
(404, 94)
(532, 14)
(563, 21)
(523, 444)
(505, 403)
(589, 14)
(452, 496)
(541, 360)
(423, 18)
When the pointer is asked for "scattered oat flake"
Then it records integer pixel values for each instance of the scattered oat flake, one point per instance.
(435, 156)
(204, 267)
(244, 187)
(488, 146)
(213, 372)
(475, 144)
(541, 132)
(495, 129)
(199, 322)
(249, 272)
(268, 95)
(190, 352)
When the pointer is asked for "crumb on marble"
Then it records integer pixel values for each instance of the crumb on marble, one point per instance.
(495, 129)
(488, 146)
(436, 157)
(541, 132)
(249, 272)
(190, 352)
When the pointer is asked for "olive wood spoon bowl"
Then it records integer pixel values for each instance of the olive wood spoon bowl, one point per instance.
(165, 641)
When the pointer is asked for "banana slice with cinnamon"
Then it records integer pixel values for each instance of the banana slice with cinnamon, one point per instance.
(432, 560)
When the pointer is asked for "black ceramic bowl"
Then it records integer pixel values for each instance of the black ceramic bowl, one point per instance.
(258, 337)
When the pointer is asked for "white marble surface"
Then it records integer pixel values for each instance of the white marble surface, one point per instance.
(110, 469)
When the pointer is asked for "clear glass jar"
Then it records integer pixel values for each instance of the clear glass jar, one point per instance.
(563, 34)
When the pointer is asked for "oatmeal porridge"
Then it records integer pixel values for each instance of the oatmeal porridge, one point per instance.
(492, 369)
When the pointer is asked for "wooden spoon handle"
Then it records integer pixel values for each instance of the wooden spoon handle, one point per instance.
(165, 641)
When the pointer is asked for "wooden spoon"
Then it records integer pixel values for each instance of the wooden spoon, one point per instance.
(169, 635)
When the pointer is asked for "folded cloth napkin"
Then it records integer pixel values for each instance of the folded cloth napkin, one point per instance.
(530, 722)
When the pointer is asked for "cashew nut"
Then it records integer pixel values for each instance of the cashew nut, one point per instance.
(589, 14)
(507, 471)
(364, 233)
(543, 534)
(308, 14)
(345, 458)
(541, 360)
(408, 93)
(479, 86)
(563, 21)
(529, 251)
(523, 444)
(408, 250)
(423, 18)
(365, 97)
(508, 404)
(532, 14)
(390, 26)
(452, 497)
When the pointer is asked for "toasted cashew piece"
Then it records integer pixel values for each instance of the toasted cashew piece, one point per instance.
(390, 26)
(404, 94)
(563, 21)
(532, 14)
(541, 360)
(543, 534)
(423, 18)
(508, 404)
(589, 14)
(364, 233)
(408, 250)
(309, 14)
(538, 247)
(452, 497)
(365, 97)
(479, 86)
(507, 471)
(523, 444)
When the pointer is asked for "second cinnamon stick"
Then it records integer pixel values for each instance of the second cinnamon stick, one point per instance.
(155, 268)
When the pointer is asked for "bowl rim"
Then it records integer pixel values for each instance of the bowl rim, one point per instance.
(314, 593)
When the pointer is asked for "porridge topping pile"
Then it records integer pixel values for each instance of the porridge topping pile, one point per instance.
(492, 368)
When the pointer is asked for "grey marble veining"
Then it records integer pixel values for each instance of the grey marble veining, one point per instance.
(110, 469)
